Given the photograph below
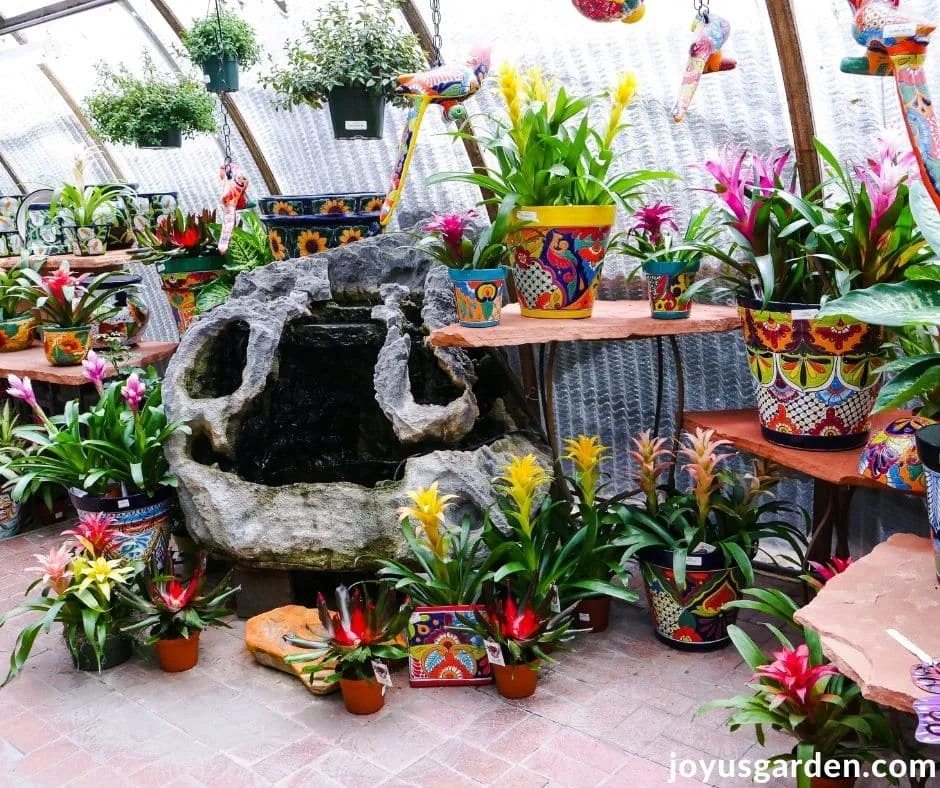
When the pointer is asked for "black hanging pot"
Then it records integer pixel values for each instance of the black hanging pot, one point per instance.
(221, 74)
(168, 138)
(357, 113)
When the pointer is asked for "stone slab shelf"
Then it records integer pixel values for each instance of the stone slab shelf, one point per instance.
(32, 363)
(94, 264)
(894, 586)
(612, 320)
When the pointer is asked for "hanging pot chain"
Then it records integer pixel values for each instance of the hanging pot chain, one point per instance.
(701, 9)
(436, 41)
(226, 128)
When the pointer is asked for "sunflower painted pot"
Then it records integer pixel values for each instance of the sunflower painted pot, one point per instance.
(439, 654)
(301, 226)
(66, 347)
(557, 256)
(87, 241)
(181, 278)
(16, 334)
(667, 282)
(816, 380)
(928, 448)
(690, 619)
(479, 296)
(891, 456)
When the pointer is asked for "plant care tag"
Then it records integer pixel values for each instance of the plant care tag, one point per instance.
(527, 216)
(555, 604)
(693, 560)
(357, 125)
(585, 618)
(494, 652)
(124, 503)
(380, 669)
(803, 314)
(900, 30)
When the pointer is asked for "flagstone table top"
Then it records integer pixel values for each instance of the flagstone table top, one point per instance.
(92, 264)
(612, 320)
(32, 363)
(894, 586)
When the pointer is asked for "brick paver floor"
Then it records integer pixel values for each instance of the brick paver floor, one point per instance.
(615, 712)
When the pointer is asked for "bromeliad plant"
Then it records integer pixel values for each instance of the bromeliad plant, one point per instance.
(177, 235)
(64, 300)
(87, 206)
(446, 241)
(653, 236)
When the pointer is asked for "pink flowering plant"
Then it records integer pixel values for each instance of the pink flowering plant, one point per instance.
(653, 236)
(446, 239)
(65, 299)
(116, 445)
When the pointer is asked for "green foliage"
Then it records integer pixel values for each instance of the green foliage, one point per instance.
(131, 110)
(362, 46)
(12, 280)
(64, 300)
(238, 40)
(11, 445)
(86, 206)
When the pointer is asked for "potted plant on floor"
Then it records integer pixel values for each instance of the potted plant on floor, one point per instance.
(67, 308)
(816, 377)
(79, 582)
(695, 545)
(185, 250)
(153, 111)
(174, 613)
(11, 445)
(444, 583)
(670, 263)
(549, 155)
(477, 267)
(221, 59)
(16, 320)
(350, 57)
(109, 457)
(356, 642)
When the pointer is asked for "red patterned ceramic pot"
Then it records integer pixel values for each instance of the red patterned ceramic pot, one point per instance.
(439, 655)
(182, 278)
(891, 455)
(816, 380)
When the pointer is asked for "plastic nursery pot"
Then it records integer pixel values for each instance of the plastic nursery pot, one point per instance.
(928, 447)
(168, 138)
(557, 256)
(16, 334)
(181, 277)
(66, 347)
(593, 613)
(117, 650)
(479, 296)
(667, 282)
(87, 241)
(816, 380)
(178, 654)
(221, 75)
(356, 113)
(362, 696)
(516, 681)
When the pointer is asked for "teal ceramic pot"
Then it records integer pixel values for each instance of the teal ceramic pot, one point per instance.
(667, 282)
(479, 296)
(221, 75)
(304, 225)
(928, 447)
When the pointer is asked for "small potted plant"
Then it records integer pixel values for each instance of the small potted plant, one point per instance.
(695, 545)
(445, 584)
(174, 613)
(108, 456)
(66, 307)
(16, 320)
(670, 263)
(477, 267)
(350, 57)
(79, 582)
(519, 635)
(355, 643)
(220, 60)
(87, 214)
(11, 445)
(153, 111)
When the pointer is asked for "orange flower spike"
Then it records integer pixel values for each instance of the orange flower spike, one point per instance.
(653, 459)
(700, 449)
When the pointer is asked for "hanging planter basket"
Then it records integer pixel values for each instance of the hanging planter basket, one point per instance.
(221, 75)
(357, 113)
(169, 138)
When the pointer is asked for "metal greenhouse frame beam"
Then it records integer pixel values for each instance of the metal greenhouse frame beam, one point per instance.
(13, 176)
(48, 13)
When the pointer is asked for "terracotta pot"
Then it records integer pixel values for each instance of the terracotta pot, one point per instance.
(479, 296)
(178, 654)
(516, 681)
(593, 613)
(362, 696)
(66, 347)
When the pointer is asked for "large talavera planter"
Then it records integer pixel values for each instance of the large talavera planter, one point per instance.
(891, 455)
(557, 256)
(816, 380)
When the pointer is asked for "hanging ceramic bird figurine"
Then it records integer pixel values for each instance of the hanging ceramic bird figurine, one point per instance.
(711, 34)
(448, 86)
(234, 199)
(896, 45)
(628, 11)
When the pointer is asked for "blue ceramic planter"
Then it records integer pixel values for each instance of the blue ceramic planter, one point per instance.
(479, 296)
(668, 281)
(928, 446)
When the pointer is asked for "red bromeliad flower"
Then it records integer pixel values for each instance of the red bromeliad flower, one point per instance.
(651, 221)
(353, 624)
(836, 566)
(95, 532)
(174, 595)
(515, 623)
(55, 284)
(793, 680)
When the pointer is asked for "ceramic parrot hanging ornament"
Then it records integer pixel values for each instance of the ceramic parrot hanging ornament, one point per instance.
(446, 86)
(234, 199)
(628, 11)
(711, 34)
(896, 45)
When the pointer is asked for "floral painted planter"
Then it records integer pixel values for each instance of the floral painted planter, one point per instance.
(66, 347)
(11, 516)
(439, 655)
(9, 209)
(557, 258)
(891, 456)
(928, 446)
(301, 226)
(133, 314)
(667, 282)
(479, 296)
(690, 619)
(221, 75)
(142, 522)
(11, 244)
(181, 278)
(87, 241)
(816, 380)
(16, 334)
(44, 235)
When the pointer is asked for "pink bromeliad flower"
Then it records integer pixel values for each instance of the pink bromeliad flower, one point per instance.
(95, 368)
(883, 175)
(652, 221)
(790, 681)
(22, 388)
(54, 568)
(652, 459)
(700, 449)
(823, 573)
(54, 284)
(95, 533)
(451, 227)
(134, 392)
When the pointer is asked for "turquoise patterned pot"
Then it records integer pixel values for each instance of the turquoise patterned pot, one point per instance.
(479, 296)
(667, 282)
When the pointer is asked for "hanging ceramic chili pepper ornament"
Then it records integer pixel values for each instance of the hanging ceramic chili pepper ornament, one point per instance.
(234, 199)
(896, 45)
(711, 34)
(628, 11)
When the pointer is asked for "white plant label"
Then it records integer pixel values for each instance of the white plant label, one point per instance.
(803, 314)
(357, 125)
(528, 216)
(123, 503)
(494, 652)
(693, 560)
(584, 618)
(380, 669)
(556, 600)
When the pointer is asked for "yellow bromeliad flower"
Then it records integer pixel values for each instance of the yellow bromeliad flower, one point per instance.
(104, 574)
(521, 482)
(427, 512)
(509, 83)
(620, 96)
(586, 454)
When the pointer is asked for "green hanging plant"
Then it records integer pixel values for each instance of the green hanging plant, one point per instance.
(238, 40)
